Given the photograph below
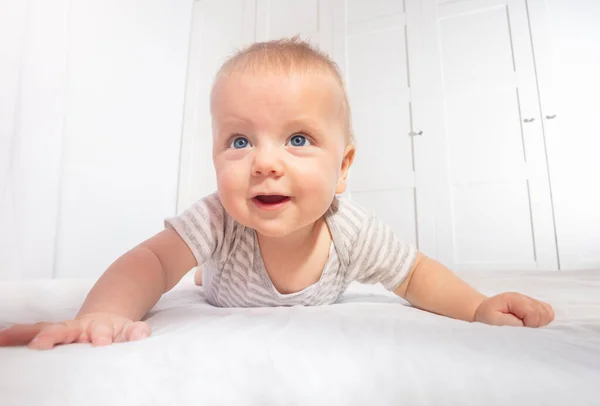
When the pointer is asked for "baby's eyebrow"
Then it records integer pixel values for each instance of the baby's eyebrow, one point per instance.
(233, 123)
(236, 120)
(305, 123)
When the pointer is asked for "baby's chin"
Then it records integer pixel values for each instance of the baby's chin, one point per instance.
(278, 228)
(274, 230)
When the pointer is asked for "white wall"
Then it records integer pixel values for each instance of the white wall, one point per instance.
(33, 46)
(91, 107)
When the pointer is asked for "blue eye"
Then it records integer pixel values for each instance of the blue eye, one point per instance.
(239, 143)
(298, 140)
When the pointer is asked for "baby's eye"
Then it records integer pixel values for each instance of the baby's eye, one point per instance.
(298, 140)
(239, 143)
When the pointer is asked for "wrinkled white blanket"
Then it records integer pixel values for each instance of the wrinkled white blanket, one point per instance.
(370, 349)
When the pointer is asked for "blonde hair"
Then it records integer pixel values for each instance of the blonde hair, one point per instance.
(288, 55)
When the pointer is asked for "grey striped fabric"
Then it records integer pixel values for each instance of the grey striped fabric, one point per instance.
(363, 249)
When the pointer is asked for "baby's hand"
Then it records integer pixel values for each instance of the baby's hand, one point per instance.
(96, 328)
(514, 309)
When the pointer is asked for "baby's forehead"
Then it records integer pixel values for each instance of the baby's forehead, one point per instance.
(275, 87)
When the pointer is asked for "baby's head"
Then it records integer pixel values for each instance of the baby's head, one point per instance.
(282, 138)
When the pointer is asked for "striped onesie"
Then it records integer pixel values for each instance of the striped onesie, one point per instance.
(363, 249)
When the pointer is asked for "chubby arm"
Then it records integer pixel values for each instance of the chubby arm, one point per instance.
(134, 283)
(126, 291)
(431, 286)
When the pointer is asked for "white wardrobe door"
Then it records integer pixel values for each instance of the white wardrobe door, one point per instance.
(500, 207)
(566, 38)
(219, 29)
(376, 67)
(126, 83)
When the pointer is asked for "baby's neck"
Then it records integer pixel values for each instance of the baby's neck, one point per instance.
(303, 237)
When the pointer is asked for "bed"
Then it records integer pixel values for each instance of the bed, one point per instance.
(370, 349)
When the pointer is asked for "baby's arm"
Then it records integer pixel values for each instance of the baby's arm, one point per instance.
(135, 282)
(433, 287)
(128, 289)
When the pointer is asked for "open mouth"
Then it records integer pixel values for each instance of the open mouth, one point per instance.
(271, 200)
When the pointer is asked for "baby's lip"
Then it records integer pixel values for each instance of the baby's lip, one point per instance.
(271, 199)
(269, 194)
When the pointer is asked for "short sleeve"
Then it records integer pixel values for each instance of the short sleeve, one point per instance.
(378, 256)
(205, 227)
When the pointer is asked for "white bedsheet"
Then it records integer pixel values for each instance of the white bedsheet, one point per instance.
(368, 350)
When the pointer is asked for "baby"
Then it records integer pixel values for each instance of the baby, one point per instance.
(276, 233)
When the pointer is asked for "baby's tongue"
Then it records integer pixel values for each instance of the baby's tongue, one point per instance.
(272, 199)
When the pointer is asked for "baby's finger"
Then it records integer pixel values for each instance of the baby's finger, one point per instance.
(119, 333)
(520, 306)
(73, 333)
(20, 334)
(53, 335)
(533, 313)
(507, 319)
(547, 314)
(550, 311)
(100, 332)
(137, 331)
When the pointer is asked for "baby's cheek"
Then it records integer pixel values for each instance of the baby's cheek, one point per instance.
(233, 197)
(231, 189)
(320, 183)
(229, 179)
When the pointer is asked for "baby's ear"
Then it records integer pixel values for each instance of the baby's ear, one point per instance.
(346, 164)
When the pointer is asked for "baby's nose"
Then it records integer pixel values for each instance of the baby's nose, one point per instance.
(267, 163)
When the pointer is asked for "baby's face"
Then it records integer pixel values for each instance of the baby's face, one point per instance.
(279, 144)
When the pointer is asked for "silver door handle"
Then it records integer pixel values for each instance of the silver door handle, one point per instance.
(529, 120)
(414, 134)
(550, 117)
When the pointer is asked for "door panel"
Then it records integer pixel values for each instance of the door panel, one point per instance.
(566, 38)
(481, 209)
(380, 99)
(500, 207)
(382, 178)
